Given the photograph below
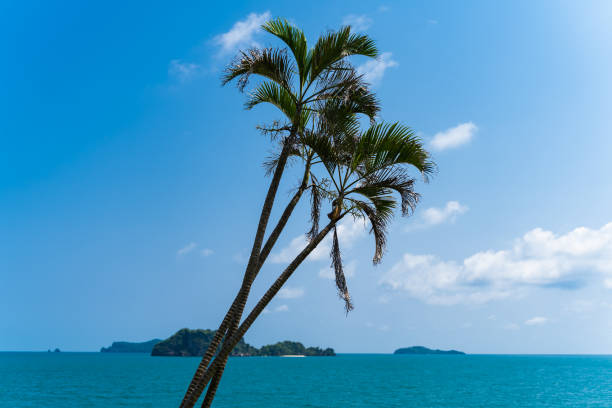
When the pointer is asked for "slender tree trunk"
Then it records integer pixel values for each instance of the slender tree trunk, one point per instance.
(214, 384)
(231, 342)
(255, 263)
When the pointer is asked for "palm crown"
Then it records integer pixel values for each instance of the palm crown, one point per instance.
(296, 79)
(365, 174)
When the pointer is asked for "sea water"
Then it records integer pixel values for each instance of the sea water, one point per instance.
(138, 380)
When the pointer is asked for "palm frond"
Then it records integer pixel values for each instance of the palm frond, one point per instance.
(272, 161)
(270, 63)
(337, 45)
(294, 38)
(273, 93)
(384, 145)
(339, 273)
(379, 215)
(388, 180)
(322, 146)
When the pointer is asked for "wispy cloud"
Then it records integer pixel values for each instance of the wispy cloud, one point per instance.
(374, 70)
(357, 22)
(290, 293)
(454, 137)
(282, 308)
(242, 33)
(183, 71)
(206, 252)
(536, 321)
(448, 213)
(186, 249)
(539, 259)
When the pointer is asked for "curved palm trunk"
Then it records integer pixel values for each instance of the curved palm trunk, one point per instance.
(234, 314)
(228, 345)
(212, 388)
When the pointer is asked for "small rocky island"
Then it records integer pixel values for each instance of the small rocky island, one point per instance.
(424, 350)
(188, 342)
(127, 347)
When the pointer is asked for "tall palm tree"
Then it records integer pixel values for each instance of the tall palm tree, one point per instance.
(297, 80)
(363, 174)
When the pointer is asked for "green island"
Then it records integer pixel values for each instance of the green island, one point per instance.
(128, 347)
(186, 343)
(424, 350)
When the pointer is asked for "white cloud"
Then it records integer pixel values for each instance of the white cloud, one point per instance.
(384, 299)
(454, 137)
(206, 252)
(510, 326)
(608, 283)
(182, 71)
(282, 308)
(374, 70)
(349, 271)
(539, 259)
(290, 293)
(534, 321)
(348, 232)
(435, 216)
(242, 33)
(357, 22)
(186, 249)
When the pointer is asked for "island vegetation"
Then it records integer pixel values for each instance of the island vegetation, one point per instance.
(186, 342)
(424, 350)
(128, 347)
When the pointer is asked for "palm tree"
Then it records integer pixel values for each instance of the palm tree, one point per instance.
(297, 80)
(364, 174)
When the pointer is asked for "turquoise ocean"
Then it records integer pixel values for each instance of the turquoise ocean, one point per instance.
(350, 380)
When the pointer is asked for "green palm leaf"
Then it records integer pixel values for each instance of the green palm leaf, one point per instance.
(295, 40)
(270, 63)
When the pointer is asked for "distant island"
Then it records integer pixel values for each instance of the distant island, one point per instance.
(127, 347)
(188, 342)
(424, 350)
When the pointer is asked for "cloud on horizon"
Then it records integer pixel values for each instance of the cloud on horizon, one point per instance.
(539, 259)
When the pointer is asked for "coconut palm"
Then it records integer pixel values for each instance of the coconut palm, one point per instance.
(297, 80)
(362, 174)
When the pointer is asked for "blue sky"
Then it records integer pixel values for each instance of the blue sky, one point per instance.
(131, 181)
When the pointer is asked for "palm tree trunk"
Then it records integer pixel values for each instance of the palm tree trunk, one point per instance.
(212, 388)
(229, 343)
(237, 307)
